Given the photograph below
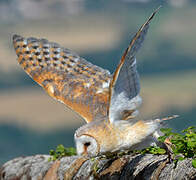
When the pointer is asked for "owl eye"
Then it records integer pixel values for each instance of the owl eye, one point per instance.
(87, 144)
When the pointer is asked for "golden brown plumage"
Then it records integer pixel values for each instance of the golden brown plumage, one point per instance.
(107, 102)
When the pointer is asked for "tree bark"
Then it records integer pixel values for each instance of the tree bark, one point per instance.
(148, 167)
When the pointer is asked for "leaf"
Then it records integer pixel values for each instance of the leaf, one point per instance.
(61, 151)
(162, 138)
(161, 151)
(191, 144)
(52, 152)
(181, 158)
(194, 163)
(166, 130)
(60, 148)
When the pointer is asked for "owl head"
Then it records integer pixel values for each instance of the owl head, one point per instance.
(95, 138)
(86, 142)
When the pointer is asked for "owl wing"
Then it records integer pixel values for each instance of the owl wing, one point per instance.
(65, 76)
(125, 86)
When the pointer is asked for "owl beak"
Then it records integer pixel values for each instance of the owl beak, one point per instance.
(85, 152)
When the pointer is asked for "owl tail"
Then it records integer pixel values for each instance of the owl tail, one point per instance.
(166, 118)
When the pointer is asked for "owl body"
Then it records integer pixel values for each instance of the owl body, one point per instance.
(119, 136)
(107, 102)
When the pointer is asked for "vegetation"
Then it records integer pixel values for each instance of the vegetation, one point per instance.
(61, 151)
(183, 144)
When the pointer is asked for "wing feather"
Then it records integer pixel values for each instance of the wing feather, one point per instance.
(65, 76)
(125, 86)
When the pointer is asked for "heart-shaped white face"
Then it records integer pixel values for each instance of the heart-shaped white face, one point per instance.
(86, 145)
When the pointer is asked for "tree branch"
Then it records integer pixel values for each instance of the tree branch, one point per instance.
(140, 167)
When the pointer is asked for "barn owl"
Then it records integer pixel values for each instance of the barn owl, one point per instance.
(107, 102)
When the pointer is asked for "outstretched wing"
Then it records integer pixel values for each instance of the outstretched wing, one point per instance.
(65, 76)
(125, 86)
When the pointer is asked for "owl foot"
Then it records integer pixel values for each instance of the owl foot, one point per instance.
(168, 148)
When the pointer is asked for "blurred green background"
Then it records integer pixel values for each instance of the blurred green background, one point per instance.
(31, 122)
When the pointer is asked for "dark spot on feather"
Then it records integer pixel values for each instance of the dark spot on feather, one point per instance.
(27, 65)
(69, 66)
(65, 57)
(21, 62)
(71, 60)
(27, 52)
(76, 70)
(45, 52)
(37, 53)
(47, 59)
(55, 58)
(35, 47)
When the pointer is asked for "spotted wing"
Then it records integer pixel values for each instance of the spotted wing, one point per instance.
(125, 86)
(65, 76)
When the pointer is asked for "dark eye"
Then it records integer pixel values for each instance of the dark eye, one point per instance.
(87, 144)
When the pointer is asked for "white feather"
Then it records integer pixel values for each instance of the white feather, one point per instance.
(105, 86)
(120, 102)
(134, 62)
